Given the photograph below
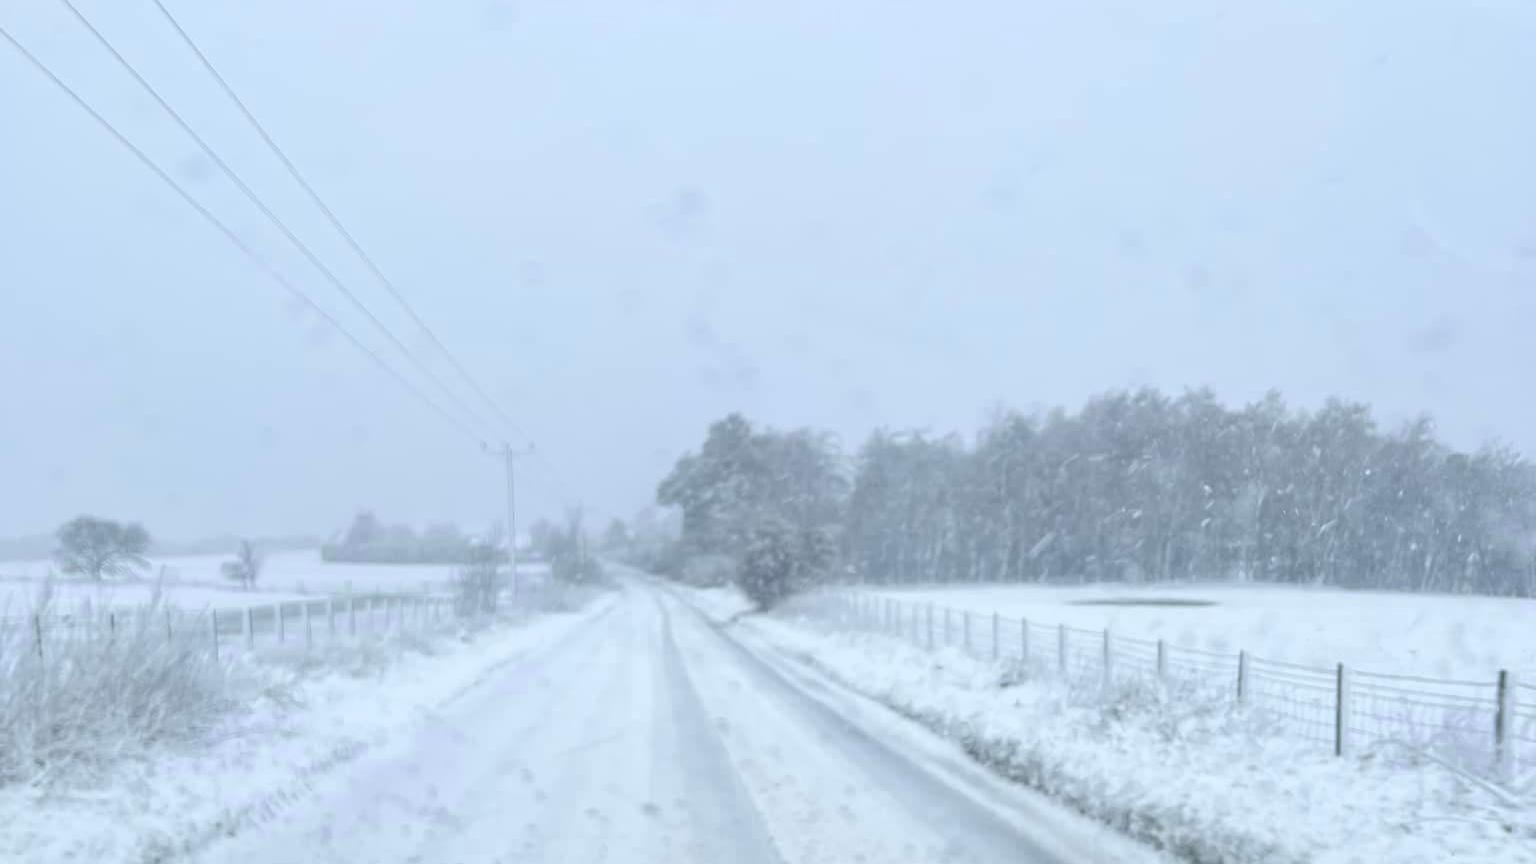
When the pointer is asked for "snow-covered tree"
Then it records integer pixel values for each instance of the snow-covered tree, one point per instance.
(746, 486)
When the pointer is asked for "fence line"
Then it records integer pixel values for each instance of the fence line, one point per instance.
(305, 622)
(1488, 726)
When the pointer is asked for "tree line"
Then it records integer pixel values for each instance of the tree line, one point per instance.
(1135, 486)
(368, 540)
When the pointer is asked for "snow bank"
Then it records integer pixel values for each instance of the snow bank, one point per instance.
(1180, 771)
(301, 717)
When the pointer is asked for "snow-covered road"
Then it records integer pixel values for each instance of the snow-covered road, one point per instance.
(653, 736)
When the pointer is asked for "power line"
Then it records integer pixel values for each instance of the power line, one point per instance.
(330, 215)
(232, 237)
(282, 226)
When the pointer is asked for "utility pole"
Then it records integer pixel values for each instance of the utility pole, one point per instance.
(510, 456)
(511, 518)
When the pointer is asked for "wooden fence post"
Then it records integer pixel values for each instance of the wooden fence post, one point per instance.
(1242, 678)
(351, 612)
(966, 628)
(250, 628)
(1024, 642)
(277, 615)
(1341, 712)
(930, 626)
(37, 632)
(1503, 722)
(213, 625)
(947, 638)
(995, 648)
(1162, 662)
(309, 633)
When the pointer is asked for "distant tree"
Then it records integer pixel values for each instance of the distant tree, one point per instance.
(442, 534)
(566, 549)
(494, 539)
(543, 538)
(443, 541)
(101, 548)
(365, 530)
(400, 537)
(246, 566)
(654, 537)
(369, 540)
(616, 537)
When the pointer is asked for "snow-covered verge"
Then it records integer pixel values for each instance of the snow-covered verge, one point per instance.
(288, 719)
(1186, 774)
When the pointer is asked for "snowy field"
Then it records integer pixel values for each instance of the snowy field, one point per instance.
(20, 595)
(1422, 634)
(194, 581)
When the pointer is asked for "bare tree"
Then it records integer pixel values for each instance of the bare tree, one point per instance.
(101, 548)
(246, 566)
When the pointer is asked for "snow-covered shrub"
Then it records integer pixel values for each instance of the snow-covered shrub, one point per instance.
(77, 690)
(769, 564)
(475, 587)
(780, 560)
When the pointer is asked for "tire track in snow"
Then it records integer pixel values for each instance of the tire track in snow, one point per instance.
(977, 825)
(733, 818)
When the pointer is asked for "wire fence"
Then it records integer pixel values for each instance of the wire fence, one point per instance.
(293, 623)
(289, 623)
(1484, 726)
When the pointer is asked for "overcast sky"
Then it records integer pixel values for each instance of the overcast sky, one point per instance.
(628, 218)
